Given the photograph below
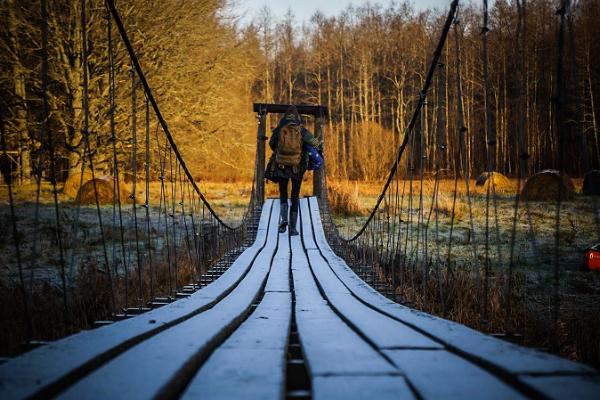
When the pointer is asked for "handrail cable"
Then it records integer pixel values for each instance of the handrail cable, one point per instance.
(422, 96)
(159, 116)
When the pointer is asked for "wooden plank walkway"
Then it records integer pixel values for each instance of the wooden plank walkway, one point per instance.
(235, 339)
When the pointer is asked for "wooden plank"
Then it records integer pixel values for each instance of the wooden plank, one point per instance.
(330, 346)
(162, 364)
(359, 387)
(503, 355)
(381, 330)
(50, 368)
(251, 362)
(566, 387)
(306, 222)
(279, 277)
(439, 374)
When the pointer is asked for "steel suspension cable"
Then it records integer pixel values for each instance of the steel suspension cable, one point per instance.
(87, 148)
(157, 112)
(45, 131)
(441, 148)
(163, 206)
(559, 123)
(460, 129)
(16, 241)
(182, 186)
(521, 172)
(116, 203)
(133, 195)
(173, 180)
(147, 196)
(490, 158)
(422, 261)
(37, 171)
(408, 132)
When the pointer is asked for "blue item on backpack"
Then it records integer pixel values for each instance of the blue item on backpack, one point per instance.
(315, 159)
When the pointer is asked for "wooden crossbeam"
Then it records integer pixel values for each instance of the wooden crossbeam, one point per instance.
(305, 109)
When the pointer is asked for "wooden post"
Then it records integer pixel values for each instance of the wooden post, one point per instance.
(260, 157)
(318, 175)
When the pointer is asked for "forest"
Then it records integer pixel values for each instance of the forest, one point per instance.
(366, 64)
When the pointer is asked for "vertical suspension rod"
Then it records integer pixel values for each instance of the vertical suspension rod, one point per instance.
(134, 187)
(50, 143)
(86, 139)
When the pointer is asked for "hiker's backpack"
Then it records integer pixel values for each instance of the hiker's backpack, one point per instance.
(289, 147)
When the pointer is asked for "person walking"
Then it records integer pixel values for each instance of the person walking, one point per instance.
(289, 141)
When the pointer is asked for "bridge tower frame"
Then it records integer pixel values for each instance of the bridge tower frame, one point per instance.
(263, 109)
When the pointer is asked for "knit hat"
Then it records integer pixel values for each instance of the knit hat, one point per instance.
(292, 115)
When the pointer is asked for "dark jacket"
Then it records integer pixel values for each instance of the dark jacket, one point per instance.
(287, 172)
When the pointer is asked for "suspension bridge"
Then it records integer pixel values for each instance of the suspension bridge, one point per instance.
(197, 308)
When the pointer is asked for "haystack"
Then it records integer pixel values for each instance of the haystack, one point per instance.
(591, 183)
(71, 187)
(547, 185)
(104, 187)
(501, 182)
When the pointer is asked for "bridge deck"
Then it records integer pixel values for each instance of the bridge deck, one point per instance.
(235, 337)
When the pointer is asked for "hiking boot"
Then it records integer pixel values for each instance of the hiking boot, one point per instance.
(293, 220)
(283, 218)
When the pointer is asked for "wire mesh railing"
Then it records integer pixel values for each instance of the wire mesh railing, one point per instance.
(129, 226)
(487, 252)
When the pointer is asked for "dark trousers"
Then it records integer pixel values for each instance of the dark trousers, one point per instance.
(283, 192)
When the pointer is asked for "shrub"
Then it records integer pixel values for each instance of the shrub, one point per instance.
(343, 198)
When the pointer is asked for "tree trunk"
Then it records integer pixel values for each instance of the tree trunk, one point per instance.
(593, 109)
(22, 112)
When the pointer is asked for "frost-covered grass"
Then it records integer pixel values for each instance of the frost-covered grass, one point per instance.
(487, 223)
(83, 253)
(429, 232)
(459, 234)
(80, 229)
